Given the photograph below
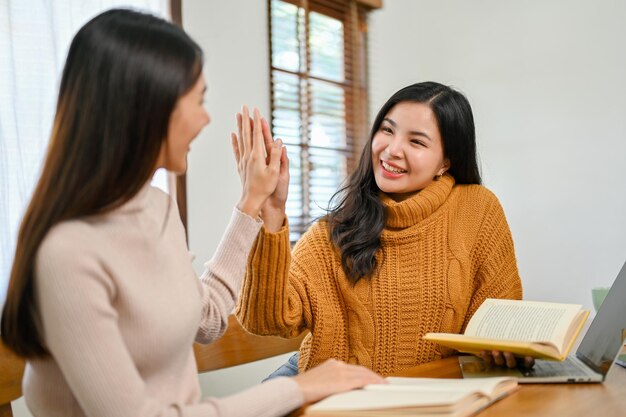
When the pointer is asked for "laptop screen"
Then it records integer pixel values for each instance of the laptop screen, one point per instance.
(605, 336)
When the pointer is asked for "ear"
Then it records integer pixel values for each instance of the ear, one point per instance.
(445, 166)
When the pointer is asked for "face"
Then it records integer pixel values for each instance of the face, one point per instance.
(186, 122)
(407, 150)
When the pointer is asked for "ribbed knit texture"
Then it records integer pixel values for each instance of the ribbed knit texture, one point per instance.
(121, 305)
(444, 251)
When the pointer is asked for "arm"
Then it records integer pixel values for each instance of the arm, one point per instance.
(274, 297)
(497, 275)
(494, 257)
(224, 273)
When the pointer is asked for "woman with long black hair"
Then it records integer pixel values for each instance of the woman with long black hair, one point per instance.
(103, 301)
(413, 244)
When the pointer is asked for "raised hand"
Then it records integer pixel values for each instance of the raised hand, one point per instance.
(334, 376)
(273, 211)
(259, 173)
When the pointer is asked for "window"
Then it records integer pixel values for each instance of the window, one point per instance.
(319, 97)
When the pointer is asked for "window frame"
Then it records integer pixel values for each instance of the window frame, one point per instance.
(353, 15)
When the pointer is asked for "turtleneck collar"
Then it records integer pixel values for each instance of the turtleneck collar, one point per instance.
(413, 210)
(137, 202)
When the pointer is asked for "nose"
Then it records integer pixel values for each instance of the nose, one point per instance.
(208, 118)
(394, 148)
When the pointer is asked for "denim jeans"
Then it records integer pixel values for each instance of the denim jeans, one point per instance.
(289, 368)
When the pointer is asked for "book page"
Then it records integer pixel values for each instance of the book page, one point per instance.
(488, 387)
(373, 400)
(529, 321)
(435, 395)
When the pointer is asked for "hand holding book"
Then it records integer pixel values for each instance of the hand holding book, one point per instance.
(524, 328)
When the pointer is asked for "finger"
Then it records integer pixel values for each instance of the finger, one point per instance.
(240, 132)
(267, 136)
(257, 132)
(487, 358)
(247, 134)
(529, 362)
(234, 142)
(497, 357)
(284, 162)
(509, 358)
(275, 156)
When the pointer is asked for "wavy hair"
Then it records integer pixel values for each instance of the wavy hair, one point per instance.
(357, 217)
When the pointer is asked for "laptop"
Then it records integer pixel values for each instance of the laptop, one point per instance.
(598, 350)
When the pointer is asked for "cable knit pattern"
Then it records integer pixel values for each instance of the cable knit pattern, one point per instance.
(120, 306)
(444, 251)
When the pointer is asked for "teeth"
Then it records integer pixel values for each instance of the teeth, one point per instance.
(392, 169)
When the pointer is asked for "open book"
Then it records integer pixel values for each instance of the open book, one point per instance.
(421, 397)
(526, 328)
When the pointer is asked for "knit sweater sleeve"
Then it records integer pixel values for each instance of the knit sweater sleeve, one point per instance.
(275, 295)
(224, 274)
(494, 261)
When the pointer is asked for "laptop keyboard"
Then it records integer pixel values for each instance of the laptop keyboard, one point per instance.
(568, 367)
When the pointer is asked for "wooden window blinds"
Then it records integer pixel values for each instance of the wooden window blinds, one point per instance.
(318, 97)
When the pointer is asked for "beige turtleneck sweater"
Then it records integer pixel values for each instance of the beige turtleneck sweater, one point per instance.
(443, 251)
(121, 306)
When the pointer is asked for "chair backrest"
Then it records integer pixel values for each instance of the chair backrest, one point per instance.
(237, 347)
(11, 371)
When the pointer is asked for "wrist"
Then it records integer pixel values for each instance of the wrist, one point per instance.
(273, 218)
(250, 207)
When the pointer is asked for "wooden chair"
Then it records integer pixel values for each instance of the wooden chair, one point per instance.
(11, 371)
(235, 347)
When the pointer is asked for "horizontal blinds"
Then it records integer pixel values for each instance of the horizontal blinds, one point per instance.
(313, 90)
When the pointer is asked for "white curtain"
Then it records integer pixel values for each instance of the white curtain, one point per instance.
(34, 39)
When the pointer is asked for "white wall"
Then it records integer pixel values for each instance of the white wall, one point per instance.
(546, 80)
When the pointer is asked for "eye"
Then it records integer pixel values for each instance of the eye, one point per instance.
(385, 129)
(418, 142)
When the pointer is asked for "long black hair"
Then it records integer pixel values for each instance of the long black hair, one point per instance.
(124, 73)
(358, 217)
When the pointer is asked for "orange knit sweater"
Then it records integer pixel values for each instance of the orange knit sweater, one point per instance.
(443, 252)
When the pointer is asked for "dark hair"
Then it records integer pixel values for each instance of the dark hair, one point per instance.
(358, 217)
(124, 73)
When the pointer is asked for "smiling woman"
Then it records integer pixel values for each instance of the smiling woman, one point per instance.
(407, 150)
(413, 243)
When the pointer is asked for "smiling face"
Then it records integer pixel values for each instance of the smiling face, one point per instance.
(407, 150)
(186, 122)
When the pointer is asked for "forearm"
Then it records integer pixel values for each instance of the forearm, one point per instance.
(268, 304)
(224, 274)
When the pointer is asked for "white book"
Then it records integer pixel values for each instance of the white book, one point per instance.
(416, 396)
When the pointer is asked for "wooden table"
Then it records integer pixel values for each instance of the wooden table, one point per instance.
(550, 400)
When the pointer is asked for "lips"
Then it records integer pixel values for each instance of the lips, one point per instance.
(391, 168)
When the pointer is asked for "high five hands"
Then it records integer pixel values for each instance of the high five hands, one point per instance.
(263, 167)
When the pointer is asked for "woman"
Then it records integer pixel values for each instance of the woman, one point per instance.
(103, 300)
(413, 245)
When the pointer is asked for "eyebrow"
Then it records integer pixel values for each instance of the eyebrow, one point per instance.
(412, 132)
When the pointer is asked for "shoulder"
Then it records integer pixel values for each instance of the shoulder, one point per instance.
(475, 197)
(69, 252)
(67, 238)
